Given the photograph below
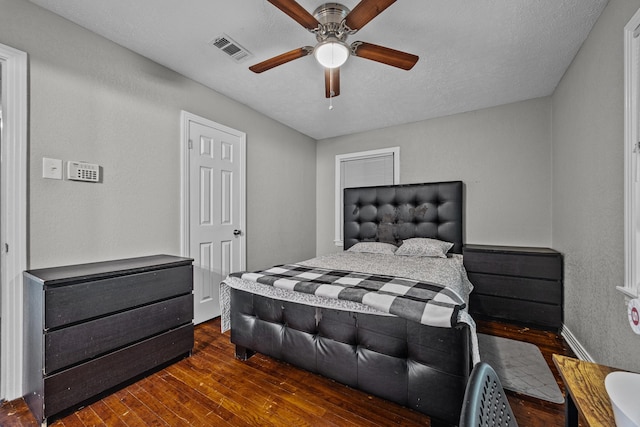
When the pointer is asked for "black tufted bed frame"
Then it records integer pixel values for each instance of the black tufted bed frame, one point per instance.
(422, 367)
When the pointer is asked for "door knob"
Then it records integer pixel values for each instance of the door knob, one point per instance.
(237, 232)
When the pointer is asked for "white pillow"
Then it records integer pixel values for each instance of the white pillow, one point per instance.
(425, 247)
(373, 248)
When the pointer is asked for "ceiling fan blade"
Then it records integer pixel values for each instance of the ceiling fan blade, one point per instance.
(281, 59)
(297, 12)
(332, 82)
(385, 55)
(365, 11)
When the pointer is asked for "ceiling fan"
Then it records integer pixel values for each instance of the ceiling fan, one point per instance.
(332, 23)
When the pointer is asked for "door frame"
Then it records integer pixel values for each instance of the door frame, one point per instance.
(185, 205)
(13, 189)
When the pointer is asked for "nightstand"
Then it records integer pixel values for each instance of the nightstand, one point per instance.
(516, 284)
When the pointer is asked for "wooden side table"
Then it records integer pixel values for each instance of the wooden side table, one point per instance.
(586, 394)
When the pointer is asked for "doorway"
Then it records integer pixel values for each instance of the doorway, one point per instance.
(1, 221)
(13, 216)
(213, 201)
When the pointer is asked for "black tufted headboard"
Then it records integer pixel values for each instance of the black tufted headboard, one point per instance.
(396, 212)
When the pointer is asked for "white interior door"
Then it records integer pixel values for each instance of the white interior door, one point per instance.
(215, 209)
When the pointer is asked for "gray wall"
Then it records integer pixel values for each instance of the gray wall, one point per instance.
(588, 199)
(502, 154)
(545, 172)
(93, 100)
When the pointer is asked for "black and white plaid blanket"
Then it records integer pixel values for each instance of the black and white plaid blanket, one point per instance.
(427, 303)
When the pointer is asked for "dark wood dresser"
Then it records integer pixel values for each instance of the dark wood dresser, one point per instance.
(92, 327)
(516, 284)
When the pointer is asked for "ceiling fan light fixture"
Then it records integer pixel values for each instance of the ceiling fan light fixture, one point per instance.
(331, 53)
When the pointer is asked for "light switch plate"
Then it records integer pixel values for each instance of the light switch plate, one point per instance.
(51, 168)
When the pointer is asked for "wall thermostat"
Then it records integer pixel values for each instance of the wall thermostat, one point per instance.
(80, 171)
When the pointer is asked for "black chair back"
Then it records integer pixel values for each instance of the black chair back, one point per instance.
(485, 403)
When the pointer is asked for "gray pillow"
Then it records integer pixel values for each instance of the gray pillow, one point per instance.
(373, 248)
(420, 246)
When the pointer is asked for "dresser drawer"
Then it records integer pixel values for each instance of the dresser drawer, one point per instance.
(538, 290)
(521, 311)
(75, 385)
(534, 265)
(68, 346)
(87, 300)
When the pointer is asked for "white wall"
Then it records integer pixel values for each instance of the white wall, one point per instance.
(93, 100)
(588, 200)
(502, 154)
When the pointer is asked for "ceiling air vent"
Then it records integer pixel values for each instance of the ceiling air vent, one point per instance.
(231, 48)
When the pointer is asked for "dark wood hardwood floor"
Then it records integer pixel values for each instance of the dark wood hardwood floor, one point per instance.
(212, 388)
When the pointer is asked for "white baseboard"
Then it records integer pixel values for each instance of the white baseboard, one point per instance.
(575, 345)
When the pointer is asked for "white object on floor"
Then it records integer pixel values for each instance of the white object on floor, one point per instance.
(623, 388)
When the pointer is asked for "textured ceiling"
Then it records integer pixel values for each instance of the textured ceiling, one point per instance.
(473, 54)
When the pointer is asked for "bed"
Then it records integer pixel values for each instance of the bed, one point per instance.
(423, 365)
